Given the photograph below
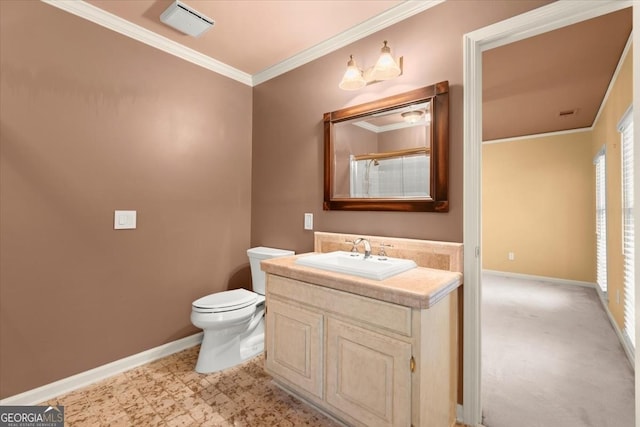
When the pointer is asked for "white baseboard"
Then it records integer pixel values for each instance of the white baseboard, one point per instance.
(459, 413)
(66, 385)
(540, 278)
(628, 350)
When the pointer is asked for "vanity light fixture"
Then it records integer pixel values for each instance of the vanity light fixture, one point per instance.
(386, 68)
(353, 78)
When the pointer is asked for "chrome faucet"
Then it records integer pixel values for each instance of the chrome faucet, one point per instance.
(367, 246)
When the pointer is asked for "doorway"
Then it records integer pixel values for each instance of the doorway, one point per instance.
(553, 16)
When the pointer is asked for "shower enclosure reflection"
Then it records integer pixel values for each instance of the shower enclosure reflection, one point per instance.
(401, 175)
(384, 154)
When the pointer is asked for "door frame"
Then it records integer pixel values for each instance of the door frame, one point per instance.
(547, 18)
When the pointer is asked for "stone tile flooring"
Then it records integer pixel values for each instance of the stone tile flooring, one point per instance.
(168, 392)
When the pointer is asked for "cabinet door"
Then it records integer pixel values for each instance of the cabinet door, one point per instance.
(294, 345)
(368, 375)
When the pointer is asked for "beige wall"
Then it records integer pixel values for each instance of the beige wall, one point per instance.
(287, 134)
(606, 133)
(538, 202)
(92, 121)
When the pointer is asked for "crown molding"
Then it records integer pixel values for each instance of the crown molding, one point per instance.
(628, 48)
(101, 17)
(538, 135)
(136, 32)
(387, 18)
(543, 19)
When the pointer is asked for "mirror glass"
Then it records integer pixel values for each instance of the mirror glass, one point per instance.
(390, 154)
(387, 154)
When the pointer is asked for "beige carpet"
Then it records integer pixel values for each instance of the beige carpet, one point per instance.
(551, 358)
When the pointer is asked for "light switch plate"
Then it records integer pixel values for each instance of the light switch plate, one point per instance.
(308, 221)
(123, 220)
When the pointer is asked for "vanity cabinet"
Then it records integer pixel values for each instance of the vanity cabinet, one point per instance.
(368, 375)
(365, 361)
(295, 345)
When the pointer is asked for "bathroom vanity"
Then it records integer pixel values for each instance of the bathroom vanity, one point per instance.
(368, 352)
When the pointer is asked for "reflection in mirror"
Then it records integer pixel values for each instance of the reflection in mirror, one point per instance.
(390, 154)
(384, 155)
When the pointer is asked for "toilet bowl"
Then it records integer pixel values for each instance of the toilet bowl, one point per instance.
(233, 321)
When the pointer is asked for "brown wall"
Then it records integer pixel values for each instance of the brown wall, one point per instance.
(93, 121)
(401, 139)
(349, 140)
(287, 176)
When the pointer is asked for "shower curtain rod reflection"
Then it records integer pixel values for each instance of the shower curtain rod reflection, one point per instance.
(392, 154)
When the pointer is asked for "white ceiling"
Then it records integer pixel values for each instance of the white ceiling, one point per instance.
(253, 41)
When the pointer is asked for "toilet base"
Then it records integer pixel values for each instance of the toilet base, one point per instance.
(221, 352)
(253, 344)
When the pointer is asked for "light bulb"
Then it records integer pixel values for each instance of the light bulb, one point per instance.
(412, 116)
(386, 68)
(352, 79)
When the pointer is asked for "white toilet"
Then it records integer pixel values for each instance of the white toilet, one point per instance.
(233, 321)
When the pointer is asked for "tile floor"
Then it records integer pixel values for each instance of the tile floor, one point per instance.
(168, 392)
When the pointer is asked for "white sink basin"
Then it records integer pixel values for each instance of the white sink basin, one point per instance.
(374, 267)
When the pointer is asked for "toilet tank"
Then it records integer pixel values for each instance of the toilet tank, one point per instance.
(255, 256)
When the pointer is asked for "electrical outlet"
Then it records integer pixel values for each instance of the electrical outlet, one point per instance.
(511, 256)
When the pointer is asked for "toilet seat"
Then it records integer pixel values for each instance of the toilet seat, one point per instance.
(235, 299)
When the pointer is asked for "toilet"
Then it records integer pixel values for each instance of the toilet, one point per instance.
(233, 321)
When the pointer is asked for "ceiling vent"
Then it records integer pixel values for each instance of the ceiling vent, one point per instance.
(185, 19)
(567, 113)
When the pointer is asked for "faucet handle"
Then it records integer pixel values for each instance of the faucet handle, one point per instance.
(354, 249)
(382, 252)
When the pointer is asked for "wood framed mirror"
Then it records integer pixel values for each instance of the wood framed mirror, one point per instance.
(389, 155)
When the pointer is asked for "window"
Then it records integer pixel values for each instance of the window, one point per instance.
(626, 129)
(601, 221)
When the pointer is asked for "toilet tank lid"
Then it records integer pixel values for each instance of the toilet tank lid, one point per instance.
(263, 252)
(227, 299)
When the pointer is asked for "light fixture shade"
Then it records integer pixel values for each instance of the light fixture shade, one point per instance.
(412, 116)
(386, 68)
(352, 79)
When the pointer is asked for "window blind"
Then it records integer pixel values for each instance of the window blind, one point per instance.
(601, 221)
(626, 128)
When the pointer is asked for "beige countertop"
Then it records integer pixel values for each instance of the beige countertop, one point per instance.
(417, 288)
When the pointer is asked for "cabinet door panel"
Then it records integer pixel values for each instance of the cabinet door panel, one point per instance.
(368, 375)
(294, 345)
